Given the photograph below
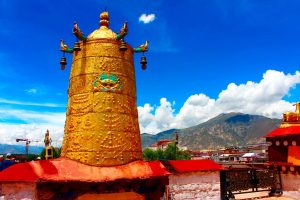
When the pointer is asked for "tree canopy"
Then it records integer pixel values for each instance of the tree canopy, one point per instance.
(172, 152)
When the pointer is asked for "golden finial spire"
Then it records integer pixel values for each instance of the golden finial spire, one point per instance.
(104, 19)
(103, 31)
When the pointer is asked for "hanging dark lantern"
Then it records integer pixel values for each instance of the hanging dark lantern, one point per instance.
(123, 46)
(76, 46)
(143, 62)
(63, 62)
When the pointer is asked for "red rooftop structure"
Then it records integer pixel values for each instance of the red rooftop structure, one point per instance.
(284, 141)
(194, 165)
(43, 178)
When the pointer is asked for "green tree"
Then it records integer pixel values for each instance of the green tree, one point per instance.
(172, 152)
(160, 154)
(150, 154)
(183, 155)
(31, 157)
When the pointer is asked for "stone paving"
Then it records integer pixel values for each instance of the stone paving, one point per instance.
(287, 195)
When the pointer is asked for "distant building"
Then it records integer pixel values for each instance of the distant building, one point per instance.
(161, 144)
(251, 157)
(256, 153)
(203, 154)
(258, 148)
(230, 154)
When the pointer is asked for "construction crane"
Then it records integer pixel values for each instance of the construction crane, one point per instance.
(27, 142)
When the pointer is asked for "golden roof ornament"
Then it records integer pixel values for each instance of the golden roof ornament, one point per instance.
(102, 126)
(291, 118)
(103, 32)
(104, 19)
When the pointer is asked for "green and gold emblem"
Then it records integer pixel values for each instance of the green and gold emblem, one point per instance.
(107, 82)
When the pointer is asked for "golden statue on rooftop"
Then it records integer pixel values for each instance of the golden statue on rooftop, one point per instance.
(47, 139)
(291, 118)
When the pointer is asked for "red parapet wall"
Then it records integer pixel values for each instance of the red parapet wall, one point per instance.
(195, 165)
(64, 169)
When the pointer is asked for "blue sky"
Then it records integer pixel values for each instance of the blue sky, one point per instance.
(205, 57)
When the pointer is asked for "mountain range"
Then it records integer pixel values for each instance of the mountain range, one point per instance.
(231, 129)
(19, 149)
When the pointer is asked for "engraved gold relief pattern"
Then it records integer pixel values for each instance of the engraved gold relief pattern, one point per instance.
(102, 64)
(103, 48)
(84, 84)
(101, 102)
(102, 127)
(91, 122)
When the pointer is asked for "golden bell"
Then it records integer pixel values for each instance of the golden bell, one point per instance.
(144, 62)
(123, 46)
(76, 46)
(63, 63)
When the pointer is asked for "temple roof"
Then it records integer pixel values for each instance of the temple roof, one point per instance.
(64, 169)
(285, 131)
(194, 165)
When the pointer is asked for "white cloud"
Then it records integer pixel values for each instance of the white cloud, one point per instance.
(197, 108)
(265, 97)
(147, 18)
(36, 124)
(31, 91)
(262, 98)
(34, 132)
(32, 116)
(160, 120)
(22, 103)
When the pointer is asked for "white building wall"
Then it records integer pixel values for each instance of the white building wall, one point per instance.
(290, 182)
(194, 186)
